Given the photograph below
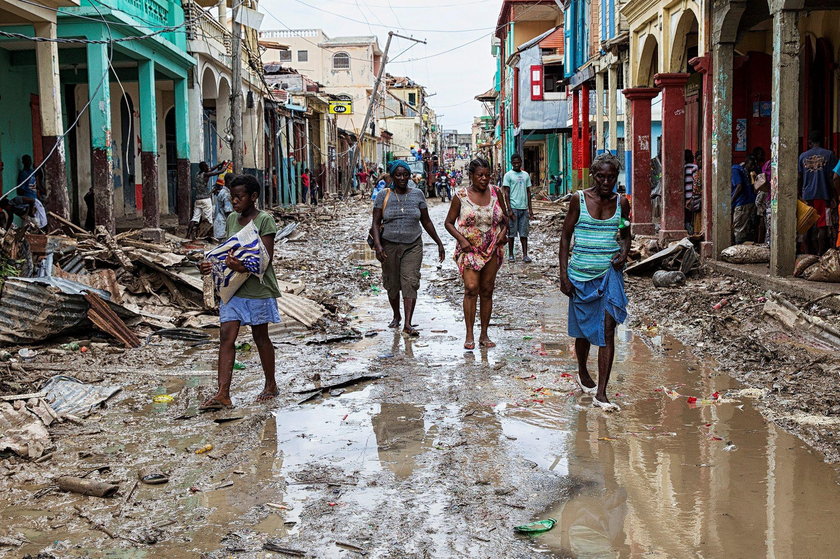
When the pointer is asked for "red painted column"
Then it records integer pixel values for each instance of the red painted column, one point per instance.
(673, 158)
(585, 133)
(703, 64)
(575, 138)
(642, 215)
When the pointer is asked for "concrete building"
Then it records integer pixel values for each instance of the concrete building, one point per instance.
(345, 67)
(531, 99)
(209, 42)
(403, 112)
(33, 121)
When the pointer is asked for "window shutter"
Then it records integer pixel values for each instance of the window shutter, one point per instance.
(536, 79)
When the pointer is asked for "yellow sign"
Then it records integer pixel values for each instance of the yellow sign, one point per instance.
(341, 107)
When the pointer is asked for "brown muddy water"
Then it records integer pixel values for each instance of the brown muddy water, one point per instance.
(450, 451)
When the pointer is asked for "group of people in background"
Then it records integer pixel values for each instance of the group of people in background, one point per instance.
(818, 187)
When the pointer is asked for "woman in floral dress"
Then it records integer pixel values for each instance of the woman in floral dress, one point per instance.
(477, 221)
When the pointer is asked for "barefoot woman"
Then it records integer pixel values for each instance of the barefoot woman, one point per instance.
(398, 214)
(593, 278)
(477, 221)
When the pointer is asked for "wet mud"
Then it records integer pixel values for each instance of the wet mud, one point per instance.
(441, 457)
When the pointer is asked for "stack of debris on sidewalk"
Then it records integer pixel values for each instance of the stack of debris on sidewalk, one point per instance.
(669, 266)
(74, 279)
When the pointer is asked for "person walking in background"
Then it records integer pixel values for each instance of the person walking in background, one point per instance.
(383, 183)
(743, 202)
(517, 188)
(202, 193)
(689, 171)
(398, 215)
(816, 183)
(476, 220)
(592, 278)
(696, 202)
(28, 180)
(305, 186)
(222, 209)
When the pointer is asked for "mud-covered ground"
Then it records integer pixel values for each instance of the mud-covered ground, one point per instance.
(449, 450)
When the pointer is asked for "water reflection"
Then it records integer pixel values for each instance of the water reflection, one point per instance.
(660, 480)
(400, 437)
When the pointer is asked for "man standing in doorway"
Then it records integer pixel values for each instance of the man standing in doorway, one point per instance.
(743, 201)
(816, 167)
(517, 188)
(202, 193)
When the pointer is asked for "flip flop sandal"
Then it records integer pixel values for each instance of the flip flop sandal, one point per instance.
(214, 405)
(152, 476)
(411, 333)
(469, 345)
(487, 344)
(606, 406)
(585, 389)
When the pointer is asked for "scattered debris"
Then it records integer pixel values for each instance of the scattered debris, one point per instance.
(88, 487)
(68, 395)
(746, 254)
(23, 426)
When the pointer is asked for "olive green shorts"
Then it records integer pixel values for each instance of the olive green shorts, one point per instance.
(401, 269)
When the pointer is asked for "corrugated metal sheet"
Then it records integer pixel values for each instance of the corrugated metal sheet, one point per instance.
(69, 395)
(32, 311)
(306, 311)
(107, 320)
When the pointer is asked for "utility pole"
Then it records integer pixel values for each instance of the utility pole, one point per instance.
(238, 146)
(358, 148)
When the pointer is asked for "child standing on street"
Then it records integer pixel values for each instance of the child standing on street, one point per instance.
(255, 302)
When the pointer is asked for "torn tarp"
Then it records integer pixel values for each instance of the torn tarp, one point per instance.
(70, 395)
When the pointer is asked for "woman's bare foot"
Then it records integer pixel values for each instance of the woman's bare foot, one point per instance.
(268, 393)
(485, 341)
(216, 402)
(411, 332)
(395, 323)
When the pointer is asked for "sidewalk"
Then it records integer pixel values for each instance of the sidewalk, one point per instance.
(759, 274)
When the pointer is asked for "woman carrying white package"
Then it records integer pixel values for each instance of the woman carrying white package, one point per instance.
(255, 302)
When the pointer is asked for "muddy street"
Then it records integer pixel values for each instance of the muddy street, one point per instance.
(440, 453)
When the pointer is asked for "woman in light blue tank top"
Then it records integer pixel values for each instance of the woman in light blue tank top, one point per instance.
(592, 278)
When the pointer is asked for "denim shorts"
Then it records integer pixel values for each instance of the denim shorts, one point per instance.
(519, 225)
(249, 312)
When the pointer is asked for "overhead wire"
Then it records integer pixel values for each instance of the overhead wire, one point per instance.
(390, 26)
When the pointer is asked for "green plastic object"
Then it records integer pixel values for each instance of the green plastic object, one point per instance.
(238, 366)
(624, 223)
(244, 346)
(537, 527)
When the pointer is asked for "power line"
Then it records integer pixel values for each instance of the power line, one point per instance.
(390, 26)
(69, 40)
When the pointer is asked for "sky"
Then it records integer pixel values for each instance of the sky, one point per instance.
(454, 78)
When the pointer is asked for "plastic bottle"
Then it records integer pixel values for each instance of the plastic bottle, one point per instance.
(237, 366)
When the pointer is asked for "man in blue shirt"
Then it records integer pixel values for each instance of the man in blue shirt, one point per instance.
(816, 184)
(743, 201)
(517, 188)
(28, 179)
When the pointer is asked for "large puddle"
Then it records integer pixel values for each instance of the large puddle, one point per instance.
(666, 477)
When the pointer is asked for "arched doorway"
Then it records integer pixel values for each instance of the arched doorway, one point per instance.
(817, 68)
(127, 154)
(171, 162)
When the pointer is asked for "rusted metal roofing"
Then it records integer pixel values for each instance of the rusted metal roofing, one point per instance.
(34, 309)
(107, 320)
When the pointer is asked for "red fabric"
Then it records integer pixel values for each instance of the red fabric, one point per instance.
(821, 206)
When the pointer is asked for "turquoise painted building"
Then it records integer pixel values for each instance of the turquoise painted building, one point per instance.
(122, 95)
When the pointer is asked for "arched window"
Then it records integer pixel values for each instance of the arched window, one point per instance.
(341, 61)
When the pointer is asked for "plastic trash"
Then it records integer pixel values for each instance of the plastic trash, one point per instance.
(27, 353)
(663, 278)
(238, 366)
(72, 346)
(720, 304)
(244, 346)
(163, 399)
(537, 527)
(205, 448)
